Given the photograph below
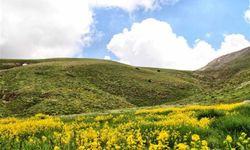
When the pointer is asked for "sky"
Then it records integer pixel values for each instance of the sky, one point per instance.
(175, 34)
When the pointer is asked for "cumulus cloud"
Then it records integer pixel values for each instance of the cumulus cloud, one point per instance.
(107, 58)
(128, 5)
(131, 5)
(232, 43)
(52, 28)
(43, 28)
(247, 15)
(153, 43)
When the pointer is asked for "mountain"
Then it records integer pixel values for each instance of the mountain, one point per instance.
(237, 59)
(228, 78)
(70, 86)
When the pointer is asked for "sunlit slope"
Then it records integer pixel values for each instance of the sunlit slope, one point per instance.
(231, 63)
(68, 86)
(228, 78)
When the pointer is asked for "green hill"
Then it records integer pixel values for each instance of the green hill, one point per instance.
(70, 86)
(228, 78)
(66, 86)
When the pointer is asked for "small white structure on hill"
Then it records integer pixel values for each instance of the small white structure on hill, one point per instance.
(246, 101)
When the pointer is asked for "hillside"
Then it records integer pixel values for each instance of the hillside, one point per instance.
(239, 59)
(71, 86)
(228, 78)
(66, 86)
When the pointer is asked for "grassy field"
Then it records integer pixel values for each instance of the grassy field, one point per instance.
(73, 86)
(70, 86)
(191, 127)
(67, 104)
(228, 77)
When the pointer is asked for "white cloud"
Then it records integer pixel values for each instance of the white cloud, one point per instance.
(131, 5)
(247, 15)
(128, 5)
(107, 58)
(43, 28)
(153, 43)
(232, 43)
(52, 28)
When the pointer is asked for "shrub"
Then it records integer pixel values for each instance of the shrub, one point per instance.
(232, 124)
(210, 113)
(243, 110)
(211, 135)
(164, 112)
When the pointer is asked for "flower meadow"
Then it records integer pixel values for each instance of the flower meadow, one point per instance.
(225, 126)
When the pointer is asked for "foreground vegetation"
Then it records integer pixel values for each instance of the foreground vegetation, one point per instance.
(192, 127)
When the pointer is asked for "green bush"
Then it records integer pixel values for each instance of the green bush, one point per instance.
(213, 136)
(232, 124)
(243, 110)
(164, 112)
(211, 113)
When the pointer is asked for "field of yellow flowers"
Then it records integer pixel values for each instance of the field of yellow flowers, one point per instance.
(224, 126)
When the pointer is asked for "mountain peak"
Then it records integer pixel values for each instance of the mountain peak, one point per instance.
(228, 60)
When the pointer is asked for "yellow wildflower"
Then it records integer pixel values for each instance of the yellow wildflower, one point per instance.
(204, 122)
(81, 148)
(204, 143)
(103, 118)
(44, 138)
(56, 148)
(31, 141)
(195, 137)
(182, 146)
(229, 139)
(163, 136)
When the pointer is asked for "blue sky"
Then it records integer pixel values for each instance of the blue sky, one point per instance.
(177, 34)
(193, 19)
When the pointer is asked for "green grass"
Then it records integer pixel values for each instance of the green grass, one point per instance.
(229, 78)
(237, 121)
(73, 86)
(233, 124)
(211, 113)
(243, 110)
(144, 125)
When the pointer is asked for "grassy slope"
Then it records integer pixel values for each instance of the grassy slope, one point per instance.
(228, 77)
(66, 86)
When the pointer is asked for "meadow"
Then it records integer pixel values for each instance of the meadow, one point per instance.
(76, 86)
(223, 126)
